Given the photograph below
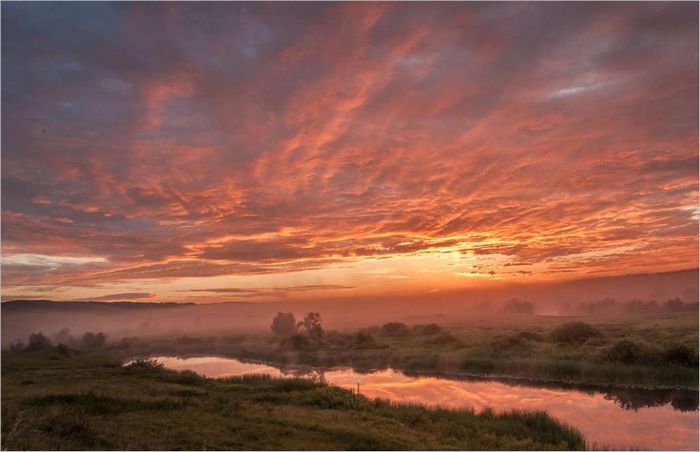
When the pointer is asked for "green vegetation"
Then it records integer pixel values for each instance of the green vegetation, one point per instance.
(88, 400)
(658, 351)
(574, 333)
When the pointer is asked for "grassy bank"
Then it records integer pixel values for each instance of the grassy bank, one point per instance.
(87, 400)
(645, 352)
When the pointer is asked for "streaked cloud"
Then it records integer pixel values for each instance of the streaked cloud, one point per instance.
(344, 144)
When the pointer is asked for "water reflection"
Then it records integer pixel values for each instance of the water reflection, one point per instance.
(616, 418)
(627, 398)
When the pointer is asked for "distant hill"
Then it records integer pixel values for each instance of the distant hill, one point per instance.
(28, 305)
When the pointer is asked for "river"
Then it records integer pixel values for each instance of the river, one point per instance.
(609, 418)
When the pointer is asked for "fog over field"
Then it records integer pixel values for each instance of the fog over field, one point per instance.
(120, 319)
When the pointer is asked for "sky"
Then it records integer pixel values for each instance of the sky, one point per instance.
(279, 151)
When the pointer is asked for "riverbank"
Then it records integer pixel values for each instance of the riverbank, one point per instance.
(656, 352)
(88, 400)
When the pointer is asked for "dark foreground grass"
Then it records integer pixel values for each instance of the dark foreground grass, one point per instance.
(88, 401)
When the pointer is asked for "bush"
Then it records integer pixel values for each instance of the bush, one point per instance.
(62, 349)
(426, 330)
(16, 346)
(364, 340)
(92, 340)
(574, 333)
(444, 338)
(680, 354)
(394, 329)
(298, 342)
(63, 336)
(143, 365)
(627, 351)
(37, 341)
(512, 346)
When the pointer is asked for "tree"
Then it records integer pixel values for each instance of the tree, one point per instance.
(63, 336)
(62, 349)
(37, 341)
(516, 306)
(674, 305)
(92, 340)
(17, 346)
(284, 324)
(312, 325)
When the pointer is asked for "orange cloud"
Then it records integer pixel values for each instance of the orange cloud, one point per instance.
(516, 142)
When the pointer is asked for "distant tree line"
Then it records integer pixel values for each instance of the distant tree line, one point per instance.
(635, 306)
(62, 342)
(608, 306)
(308, 334)
(517, 306)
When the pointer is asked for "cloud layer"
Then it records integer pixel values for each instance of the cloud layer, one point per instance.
(154, 142)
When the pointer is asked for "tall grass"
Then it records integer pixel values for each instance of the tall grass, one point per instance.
(146, 407)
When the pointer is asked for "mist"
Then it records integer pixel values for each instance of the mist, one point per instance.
(625, 295)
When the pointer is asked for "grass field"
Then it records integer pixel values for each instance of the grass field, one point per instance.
(88, 400)
(645, 351)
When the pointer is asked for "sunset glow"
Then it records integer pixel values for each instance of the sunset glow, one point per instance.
(158, 153)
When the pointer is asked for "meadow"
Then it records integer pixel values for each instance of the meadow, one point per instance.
(66, 392)
(653, 352)
(86, 399)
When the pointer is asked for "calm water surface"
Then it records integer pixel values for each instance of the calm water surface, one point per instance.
(659, 420)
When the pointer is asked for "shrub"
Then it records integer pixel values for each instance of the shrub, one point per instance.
(444, 338)
(62, 349)
(627, 351)
(514, 345)
(680, 354)
(298, 342)
(574, 333)
(92, 340)
(624, 351)
(371, 330)
(141, 365)
(394, 329)
(63, 336)
(364, 340)
(427, 329)
(16, 346)
(37, 341)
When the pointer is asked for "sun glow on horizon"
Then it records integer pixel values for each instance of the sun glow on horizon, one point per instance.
(357, 150)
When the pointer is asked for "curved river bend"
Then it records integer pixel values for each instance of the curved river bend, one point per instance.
(640, 419)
